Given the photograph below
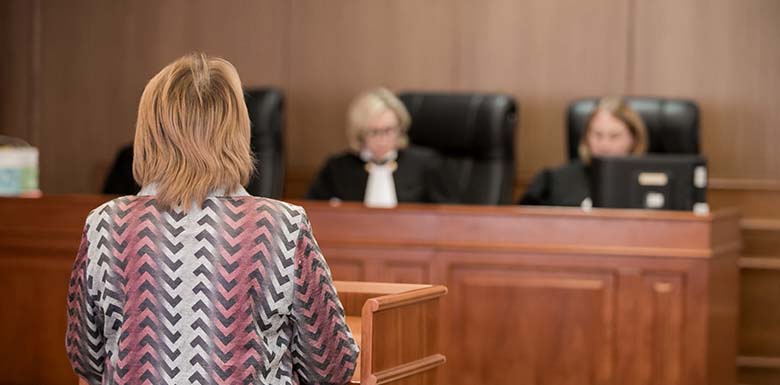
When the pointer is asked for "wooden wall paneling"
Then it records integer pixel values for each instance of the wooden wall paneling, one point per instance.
(724, 55)
(627, 328)
(664, 295)
(753, 202)
(347, 268)
(253, 35)
(408, 226)
(759, 294)
(761, 375)
(380, 264)
(87, 45)
(82, 52)
(759, 361)
(558, 316)
(545, 53)
(662, 328)
(724, 303)
(407, 271)
(413, 334)
(34, 320)
(19, 36)
(761, 238)
(760, 315)
(21, 234)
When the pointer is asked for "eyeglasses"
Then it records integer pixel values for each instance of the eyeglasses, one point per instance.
(382, 131)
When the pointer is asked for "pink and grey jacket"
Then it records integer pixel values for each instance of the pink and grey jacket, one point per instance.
(233, 292)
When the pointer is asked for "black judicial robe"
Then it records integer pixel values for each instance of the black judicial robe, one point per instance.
(344, 177)
(120, 179)
(567, 185)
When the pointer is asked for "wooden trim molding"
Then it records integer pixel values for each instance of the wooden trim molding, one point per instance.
(758, 362)
(760, 224)
(391, 301)
(744, 184)
(406, 370)
(759, 263)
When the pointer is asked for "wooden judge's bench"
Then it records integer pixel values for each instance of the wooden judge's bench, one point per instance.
(534, 295)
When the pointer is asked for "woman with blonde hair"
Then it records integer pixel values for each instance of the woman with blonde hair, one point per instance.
(193, 280)
(613, 129)
(380, 168)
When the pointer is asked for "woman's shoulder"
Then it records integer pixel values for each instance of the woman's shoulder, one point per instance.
(259, 202)
(118, 206)
(251, 203)
(346, 156)
(343, 159)
(122, 206)
(564, 185)
(566, 170)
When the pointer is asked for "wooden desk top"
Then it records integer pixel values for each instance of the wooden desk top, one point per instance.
(57, 218)
(522, 228)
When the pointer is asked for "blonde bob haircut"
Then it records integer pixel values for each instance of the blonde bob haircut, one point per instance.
(617, 107)
(192, 132)
(369, 105)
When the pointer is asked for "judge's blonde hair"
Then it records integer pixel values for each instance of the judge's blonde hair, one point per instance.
(369, 105)
(192, 133)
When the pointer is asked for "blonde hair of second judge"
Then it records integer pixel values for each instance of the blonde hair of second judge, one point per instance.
(369, 105)
(619, 108)
(192, 135)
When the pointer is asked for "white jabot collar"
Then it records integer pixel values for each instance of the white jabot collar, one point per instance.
(367, 156)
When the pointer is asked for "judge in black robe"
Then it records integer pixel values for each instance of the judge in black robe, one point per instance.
(613, 129)
(567, 185)
(380, 160)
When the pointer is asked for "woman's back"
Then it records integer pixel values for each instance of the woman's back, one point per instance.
(233, 292)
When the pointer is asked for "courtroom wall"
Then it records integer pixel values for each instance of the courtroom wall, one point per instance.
(72, 71)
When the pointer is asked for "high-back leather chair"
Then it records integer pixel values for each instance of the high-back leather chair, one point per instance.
(475, 135)
(672, 124)
(266, 114)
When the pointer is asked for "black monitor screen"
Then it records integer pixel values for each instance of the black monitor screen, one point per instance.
(662, 182)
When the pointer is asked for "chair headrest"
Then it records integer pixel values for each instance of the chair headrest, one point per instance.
(461, 124)
(266, 109)
(266, 114)
(672, 124)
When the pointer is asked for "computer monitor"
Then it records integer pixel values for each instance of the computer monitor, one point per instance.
(662, 182)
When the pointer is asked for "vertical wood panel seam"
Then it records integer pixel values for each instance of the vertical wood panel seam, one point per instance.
(457, 54)
(34, 82)
(287, 51)
(628, 87)
(286, 86)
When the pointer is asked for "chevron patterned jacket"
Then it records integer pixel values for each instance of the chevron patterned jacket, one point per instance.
(234, 292)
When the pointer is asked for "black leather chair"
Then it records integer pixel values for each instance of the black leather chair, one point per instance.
(266, 113)
(475, 135)
(672, 124)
